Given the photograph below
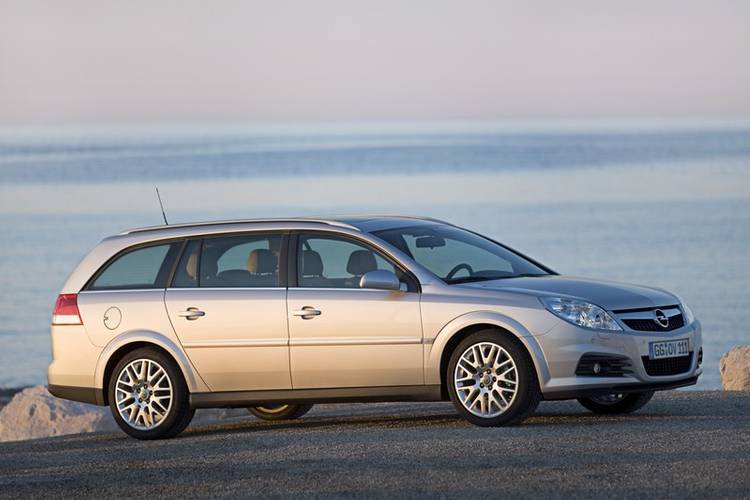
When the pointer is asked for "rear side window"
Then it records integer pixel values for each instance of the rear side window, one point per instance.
(142, 268)
(245, 261)
(187, 270)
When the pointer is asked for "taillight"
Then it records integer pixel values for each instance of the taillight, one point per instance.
(66, 310)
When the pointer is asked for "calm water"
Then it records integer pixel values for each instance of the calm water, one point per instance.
(665, 207)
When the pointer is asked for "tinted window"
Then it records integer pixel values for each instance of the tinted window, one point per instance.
(240, 261)
(459, 256)
(332, 262)
(186, 275)
(137, 269)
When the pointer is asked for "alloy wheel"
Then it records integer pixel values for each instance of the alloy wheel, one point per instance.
(486, 379)
(143, 394)
(608, 399)
(273, 408)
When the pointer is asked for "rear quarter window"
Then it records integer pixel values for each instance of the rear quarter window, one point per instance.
(141, 268)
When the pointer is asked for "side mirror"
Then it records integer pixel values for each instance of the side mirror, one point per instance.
(380, 280)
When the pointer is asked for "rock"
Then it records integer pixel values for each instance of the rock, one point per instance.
(735, 369)
(35, 413)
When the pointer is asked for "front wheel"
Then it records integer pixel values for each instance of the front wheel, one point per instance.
(491, 380)
(612, 404)
(148, 395)
(279, 411)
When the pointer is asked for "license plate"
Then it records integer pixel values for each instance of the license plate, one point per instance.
(668, 349)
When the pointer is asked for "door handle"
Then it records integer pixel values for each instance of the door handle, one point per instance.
(191, 313)
(307, 312)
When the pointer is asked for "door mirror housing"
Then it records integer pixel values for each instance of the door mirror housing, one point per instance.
(380, 279)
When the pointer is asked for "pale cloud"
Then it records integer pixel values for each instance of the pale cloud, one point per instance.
(261, 61)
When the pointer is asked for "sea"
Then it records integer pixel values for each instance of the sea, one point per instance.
(662, 203)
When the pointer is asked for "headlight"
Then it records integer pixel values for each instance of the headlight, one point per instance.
(580, 313)
(686, 311)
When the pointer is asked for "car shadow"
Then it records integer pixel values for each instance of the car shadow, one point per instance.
(442, 420)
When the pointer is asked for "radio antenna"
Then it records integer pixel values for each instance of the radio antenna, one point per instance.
(162, 206)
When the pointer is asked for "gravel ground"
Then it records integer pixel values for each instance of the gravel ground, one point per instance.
(683, 444)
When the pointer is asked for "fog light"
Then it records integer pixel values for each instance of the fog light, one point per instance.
(597, 368)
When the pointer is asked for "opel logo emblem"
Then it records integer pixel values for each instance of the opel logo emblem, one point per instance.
(661, 319)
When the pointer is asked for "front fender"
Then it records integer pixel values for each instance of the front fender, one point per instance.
(192, 379)
(490, 318)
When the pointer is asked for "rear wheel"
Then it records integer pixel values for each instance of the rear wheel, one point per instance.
(148, 395)
(491, 380)
(280, 411)
(615, 403)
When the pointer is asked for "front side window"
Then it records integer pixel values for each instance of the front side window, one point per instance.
(238, 261)
(141, 268)
(459, 256)
(332, 262)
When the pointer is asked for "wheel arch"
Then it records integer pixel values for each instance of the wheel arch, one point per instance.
(126, 343)
(454, 332)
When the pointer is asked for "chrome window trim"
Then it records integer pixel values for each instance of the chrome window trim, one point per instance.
(323, 288)
(225, 288)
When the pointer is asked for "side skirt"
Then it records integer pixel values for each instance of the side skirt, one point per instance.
(241, 399)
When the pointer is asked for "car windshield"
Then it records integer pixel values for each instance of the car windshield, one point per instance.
(459, 256)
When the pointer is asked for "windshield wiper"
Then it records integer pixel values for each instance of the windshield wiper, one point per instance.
(468, 279)
(522, 275)
(474, 279)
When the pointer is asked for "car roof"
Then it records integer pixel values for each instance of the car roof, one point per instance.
(363, 223)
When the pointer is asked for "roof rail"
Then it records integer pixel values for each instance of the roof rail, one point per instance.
(238, 221)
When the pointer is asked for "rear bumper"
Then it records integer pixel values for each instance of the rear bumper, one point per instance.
(74, 357)
(81, 394)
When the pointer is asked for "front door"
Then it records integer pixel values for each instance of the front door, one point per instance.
(341, 335)
(228, 309)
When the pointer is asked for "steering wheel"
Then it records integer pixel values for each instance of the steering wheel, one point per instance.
(457, 268)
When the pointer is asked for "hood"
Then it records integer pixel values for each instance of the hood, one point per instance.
(607, 294)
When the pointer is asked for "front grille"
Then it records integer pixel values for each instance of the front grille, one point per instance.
(609, 366)
(667, 366)
(649, 325)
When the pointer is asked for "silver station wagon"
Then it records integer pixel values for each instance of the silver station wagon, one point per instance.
(276, 315)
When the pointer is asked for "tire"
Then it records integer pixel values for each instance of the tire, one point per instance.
(497, 404)
(164, 411)
(618, 403)
(279, 411)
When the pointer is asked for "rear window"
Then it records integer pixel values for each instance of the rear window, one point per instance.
(144, 267)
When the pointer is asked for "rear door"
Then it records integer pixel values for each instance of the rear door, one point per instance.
(345, 336)
(227, 304)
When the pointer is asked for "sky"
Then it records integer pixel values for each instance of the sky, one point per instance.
(150, 61)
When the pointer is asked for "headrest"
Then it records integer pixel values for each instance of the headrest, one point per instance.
(361, 262)
(312, 264)
(191, 268)
(261, 261)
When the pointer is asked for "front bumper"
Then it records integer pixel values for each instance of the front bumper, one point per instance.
(564, 345)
